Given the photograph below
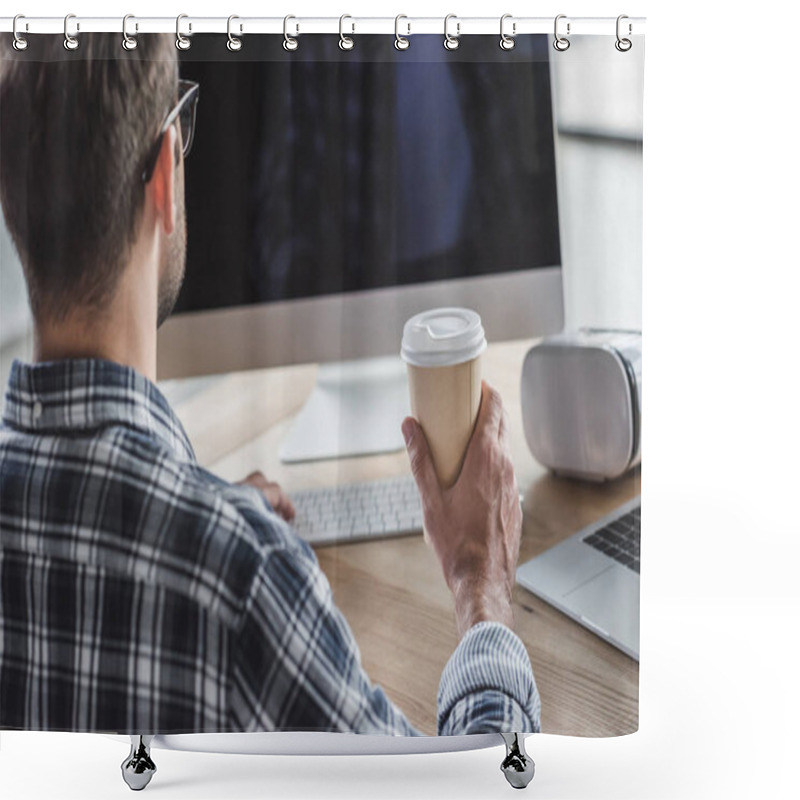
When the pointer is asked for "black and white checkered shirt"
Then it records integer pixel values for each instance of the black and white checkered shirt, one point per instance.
(139, 593)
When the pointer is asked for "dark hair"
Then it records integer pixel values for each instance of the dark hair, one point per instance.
(75, 131)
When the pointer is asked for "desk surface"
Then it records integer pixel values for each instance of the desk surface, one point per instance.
(236, 423)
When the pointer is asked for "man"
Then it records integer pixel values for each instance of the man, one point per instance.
(138, 592)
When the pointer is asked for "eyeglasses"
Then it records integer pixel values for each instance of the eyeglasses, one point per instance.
(184, 111)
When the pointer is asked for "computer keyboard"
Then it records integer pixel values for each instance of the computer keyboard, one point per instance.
(620, 539)
(375, 509)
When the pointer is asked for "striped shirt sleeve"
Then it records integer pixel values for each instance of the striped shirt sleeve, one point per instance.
(488, 685)
(296, 666)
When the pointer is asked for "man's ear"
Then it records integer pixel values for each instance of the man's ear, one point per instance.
(163, 181)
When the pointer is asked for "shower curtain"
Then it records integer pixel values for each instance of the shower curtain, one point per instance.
(155, 577)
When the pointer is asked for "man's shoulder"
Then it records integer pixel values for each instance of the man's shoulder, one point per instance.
(219, 536)
(137, 509)
(240, 508)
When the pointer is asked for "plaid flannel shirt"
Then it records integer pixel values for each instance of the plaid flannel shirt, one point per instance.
(139, 593)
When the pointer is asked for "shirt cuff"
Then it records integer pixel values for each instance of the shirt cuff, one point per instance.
(488, 684)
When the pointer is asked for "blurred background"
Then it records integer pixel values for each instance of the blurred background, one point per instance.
(598, 113)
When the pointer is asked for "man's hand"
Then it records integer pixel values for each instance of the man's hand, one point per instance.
(475, 525)
(277, 498)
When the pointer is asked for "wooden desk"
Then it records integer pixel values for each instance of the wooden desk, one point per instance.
(391, 591)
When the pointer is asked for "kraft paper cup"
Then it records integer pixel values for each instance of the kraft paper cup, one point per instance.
(442, 349)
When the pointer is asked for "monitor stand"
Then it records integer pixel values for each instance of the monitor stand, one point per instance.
(355, 409)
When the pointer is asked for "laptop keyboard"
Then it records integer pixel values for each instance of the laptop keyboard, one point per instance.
(620, 538)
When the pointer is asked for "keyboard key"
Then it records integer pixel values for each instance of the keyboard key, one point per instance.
(619, 539)
(367, 510)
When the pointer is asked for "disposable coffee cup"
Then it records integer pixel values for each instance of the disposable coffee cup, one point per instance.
(442, 349)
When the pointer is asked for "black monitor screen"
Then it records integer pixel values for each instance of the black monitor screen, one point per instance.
(324, 171)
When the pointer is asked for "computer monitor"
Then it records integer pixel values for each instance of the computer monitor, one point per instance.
(332, 195)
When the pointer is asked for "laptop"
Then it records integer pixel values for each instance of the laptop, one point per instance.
(593, 577)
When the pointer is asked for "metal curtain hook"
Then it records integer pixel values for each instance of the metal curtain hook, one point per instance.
(70, 42)
(623, 45)
(128, 42)
(181, 42)
(234, 43)
(451, 42)
(400, 42)
(561, 43)
(346, 42)
(289, 42)
(507, 42)
(19, 42)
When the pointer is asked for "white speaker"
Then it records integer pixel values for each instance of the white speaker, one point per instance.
(582, 402)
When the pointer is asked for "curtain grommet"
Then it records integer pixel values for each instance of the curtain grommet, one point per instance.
(129, 42)
(623, 44)
(71, 42)
(507, 42)
(346, 43)
(182, 42)
(561, 43)
(401, 42)
(451, 42)
(19, 43)
(290, 43)
(234, 44)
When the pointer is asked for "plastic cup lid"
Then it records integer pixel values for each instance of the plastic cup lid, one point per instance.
(442, 337)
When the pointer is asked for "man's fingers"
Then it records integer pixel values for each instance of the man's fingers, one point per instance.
(503, 434)
(256, 478)
(491, 429)
(419, 455)
(276, 497)
(491, 411)
(490, 415)
(280, 501)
